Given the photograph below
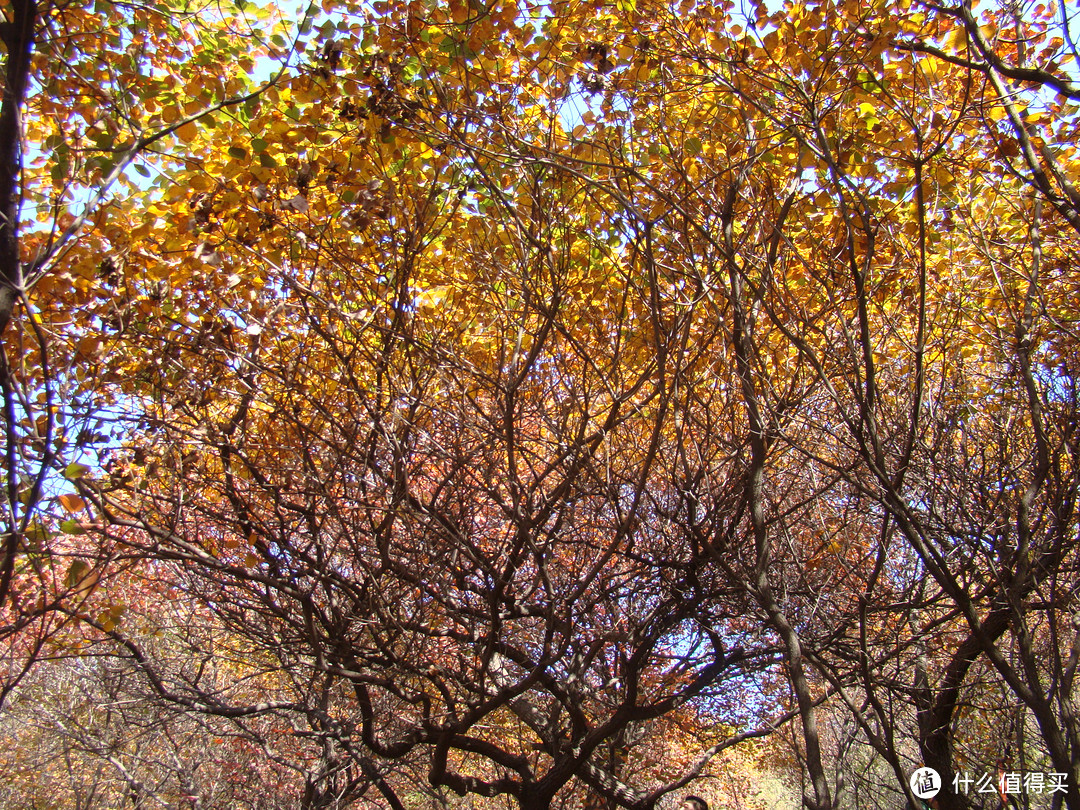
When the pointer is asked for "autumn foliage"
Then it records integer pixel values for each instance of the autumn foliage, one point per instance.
(569, 404)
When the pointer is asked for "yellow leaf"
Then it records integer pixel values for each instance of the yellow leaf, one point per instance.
(187, 132)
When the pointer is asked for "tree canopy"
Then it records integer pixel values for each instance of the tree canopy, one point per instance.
(566, 404)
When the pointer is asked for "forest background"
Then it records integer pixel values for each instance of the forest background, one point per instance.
(567, 404)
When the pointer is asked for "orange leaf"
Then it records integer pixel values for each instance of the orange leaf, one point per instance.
(72, 503)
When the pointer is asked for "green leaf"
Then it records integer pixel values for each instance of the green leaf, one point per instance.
(267, 161)
(258, 145)
(71, 527)
(141, 169)
(75, 471)
(36, 536)
(238, 152)
(75, 573)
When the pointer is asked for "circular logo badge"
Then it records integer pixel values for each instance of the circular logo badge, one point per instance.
(925, 783)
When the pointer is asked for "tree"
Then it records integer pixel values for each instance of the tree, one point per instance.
(95, 97)
(520, 384)
(468, 543)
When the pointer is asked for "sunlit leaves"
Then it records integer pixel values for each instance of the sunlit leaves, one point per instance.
(486, 310)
